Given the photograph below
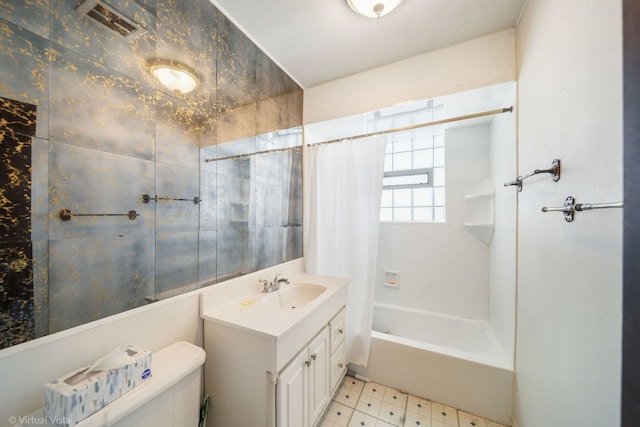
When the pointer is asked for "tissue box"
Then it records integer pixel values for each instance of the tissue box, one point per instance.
(78, 394)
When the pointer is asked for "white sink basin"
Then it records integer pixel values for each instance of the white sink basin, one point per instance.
(240, 303)
(292, 296)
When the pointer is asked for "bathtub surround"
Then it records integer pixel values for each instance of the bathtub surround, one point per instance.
(107, 132)
(345, 190)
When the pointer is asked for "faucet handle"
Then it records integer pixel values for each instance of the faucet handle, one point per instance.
(278, 279)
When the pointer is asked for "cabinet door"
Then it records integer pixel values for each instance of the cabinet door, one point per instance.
(292, 392)
(319, 375)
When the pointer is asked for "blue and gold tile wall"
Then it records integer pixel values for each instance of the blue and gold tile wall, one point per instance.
(17, 126)
(106, 133)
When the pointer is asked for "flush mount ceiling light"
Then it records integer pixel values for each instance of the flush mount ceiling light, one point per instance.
(373, 8)
(175, 76)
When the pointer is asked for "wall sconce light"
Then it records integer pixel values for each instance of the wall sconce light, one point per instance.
(373, 8)
(175, 76)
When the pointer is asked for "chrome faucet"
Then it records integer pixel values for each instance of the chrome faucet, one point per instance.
(268, 286)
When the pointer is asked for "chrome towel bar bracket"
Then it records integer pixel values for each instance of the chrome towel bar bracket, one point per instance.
(553, 170)
(570, 207)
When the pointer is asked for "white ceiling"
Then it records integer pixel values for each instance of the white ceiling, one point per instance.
(320, 40)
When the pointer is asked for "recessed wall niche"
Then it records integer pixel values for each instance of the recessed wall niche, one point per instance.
(108, 139)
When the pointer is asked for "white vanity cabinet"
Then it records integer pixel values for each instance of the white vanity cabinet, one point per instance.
(268, 366)
(303, 386)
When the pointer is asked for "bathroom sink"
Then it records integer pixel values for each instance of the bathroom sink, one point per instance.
(300, 304)
(293, 296)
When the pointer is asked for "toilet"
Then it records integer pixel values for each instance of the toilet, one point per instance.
(170, 398)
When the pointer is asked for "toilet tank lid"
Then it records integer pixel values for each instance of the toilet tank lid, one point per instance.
(168, 366)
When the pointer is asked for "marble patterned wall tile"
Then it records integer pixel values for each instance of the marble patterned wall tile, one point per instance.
(236, 252)
(187, 32)
(234, 204)
(74, 29)
(16, 293)
(270, 79)
(41, 287)
(176, 261)
(270, 116)
(93, 106)
(87, 181)
(15, 192)
(17, 126)
(207, 255)
(25, 71)
(269, 249)
(268, 205)
(241, 167)
(228, 132)
(175, 182)
(209, 203)
(292, 243)
(236, 71)
(32, 15)
(269, 167)
(94, 277)
(178, 133)
(292, 213)
(39, 189)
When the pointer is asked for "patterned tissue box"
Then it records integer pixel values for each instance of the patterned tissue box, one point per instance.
(78, 394)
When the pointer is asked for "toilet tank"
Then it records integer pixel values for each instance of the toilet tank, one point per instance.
(170, 398)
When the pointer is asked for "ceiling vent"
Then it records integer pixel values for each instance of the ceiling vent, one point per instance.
(110, 17)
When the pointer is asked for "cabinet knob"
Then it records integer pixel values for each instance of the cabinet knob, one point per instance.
(307, 362)
(340, 365)
(314, 356)
(340, 331)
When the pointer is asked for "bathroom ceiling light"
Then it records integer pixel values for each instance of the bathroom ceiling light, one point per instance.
(373, 8)
(175, 76)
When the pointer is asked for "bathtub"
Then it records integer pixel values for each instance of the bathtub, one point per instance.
(455, 361)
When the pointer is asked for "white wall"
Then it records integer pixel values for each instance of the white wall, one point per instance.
(570, 274)
(442, 267)
(473, 64)
(502, 251)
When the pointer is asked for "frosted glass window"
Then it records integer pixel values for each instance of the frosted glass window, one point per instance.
(414, 162)
(402, 146)
(402, 197)
(438, 177)
(422, 142)
(423, 159)
(423, 214)
(402, 214)
(387, 198)
(402, 161)
(423, 197)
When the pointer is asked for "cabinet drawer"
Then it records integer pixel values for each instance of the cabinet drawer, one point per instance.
(337, 330)
(338, 366)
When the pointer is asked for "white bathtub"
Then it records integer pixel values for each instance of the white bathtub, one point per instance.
(448, 359)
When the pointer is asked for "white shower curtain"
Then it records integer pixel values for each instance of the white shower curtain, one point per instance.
(341, 227)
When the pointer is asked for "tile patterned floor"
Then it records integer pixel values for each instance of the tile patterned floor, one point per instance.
(358, 404)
